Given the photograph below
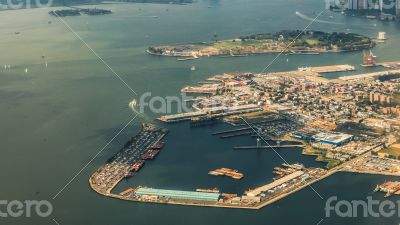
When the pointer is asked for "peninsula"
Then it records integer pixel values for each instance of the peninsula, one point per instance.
(290, 42)
(348, 125)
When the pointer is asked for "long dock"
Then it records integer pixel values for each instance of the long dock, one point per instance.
(237, 135)
(266, 147)
(370, 75)
(329, 69)
(231, 131)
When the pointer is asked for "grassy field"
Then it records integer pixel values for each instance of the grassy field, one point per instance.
(312, 41)
(391, 151)
(228, 45)
(330, 163)
(397, 99)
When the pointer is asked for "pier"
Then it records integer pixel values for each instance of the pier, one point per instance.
(237, 135)
(232, 131)
(297, 178)
(266, 147)
(371, 75)
(328, 69)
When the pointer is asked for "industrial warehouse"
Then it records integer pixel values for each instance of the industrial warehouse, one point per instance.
(330, 138)
(172, 194)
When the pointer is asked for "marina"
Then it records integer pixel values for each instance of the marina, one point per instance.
(129, 159)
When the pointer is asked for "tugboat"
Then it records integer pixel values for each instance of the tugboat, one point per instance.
(388, 194)
(369, 59)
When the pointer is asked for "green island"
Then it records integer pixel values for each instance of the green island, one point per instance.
(290, 42)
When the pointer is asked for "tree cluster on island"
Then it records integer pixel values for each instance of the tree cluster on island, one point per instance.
(343, 41)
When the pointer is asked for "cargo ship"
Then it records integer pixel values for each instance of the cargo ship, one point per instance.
(158, 145)
(151, 154)
(128, 175)
(137, 166)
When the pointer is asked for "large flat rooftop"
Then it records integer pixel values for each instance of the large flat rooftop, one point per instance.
(335, 138)
(188, 195)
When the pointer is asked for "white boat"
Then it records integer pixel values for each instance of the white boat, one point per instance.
(26, 70)
(193, 68)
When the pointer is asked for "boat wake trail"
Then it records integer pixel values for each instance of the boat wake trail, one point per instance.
(301, 15)
(133, 105)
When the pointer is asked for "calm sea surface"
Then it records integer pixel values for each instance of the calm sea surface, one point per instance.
(54, 120)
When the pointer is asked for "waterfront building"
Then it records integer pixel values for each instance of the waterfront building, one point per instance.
(333, 138)
(329, 138)
(398, 8)
(353, 4)
(362, 4)
(388, 7)
(181, 195)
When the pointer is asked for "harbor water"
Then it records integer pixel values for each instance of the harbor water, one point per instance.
(60, 106)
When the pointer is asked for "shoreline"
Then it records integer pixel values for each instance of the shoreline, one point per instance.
(256, 207)
(344, 167)
(91, 4)
(303, 52)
